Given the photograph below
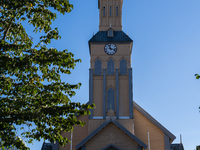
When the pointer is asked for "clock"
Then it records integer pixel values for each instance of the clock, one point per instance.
(110, 49)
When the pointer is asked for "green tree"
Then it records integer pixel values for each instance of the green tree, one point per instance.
(31, 90)
(197, 76)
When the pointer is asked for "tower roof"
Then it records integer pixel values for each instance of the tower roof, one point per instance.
(119, 36)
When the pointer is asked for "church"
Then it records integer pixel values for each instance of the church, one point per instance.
(117, 122)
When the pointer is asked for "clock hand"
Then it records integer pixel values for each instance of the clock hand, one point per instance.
(109, 47)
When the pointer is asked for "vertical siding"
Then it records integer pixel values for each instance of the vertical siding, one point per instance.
(98, 96)
(123, 96)
(111, 135)
(142, 124)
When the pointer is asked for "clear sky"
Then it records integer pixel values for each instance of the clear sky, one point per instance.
(165, 57)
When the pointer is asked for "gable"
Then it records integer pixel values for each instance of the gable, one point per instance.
(111, 134)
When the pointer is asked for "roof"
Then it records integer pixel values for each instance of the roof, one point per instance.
(104, 125)
(119, 36)
(46, 146)
(155, 122)
(177, 147)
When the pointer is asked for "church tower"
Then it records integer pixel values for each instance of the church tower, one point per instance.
(110, 59)
(117, 122)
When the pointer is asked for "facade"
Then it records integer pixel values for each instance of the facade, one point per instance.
(117, 122)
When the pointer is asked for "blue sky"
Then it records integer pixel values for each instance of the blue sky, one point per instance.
(165, 57)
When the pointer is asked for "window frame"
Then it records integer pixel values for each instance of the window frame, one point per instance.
(117, 11)
(104, 11)
(110, 11)
(110, 29)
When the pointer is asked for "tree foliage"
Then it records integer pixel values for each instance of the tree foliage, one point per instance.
(31, 90)
(197, 76)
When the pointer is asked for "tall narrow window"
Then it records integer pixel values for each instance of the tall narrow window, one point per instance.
(117, 11)
(123, 67)
(110, 99)
(97, 67)
(104, 11)
(110, 67)
(110, 11)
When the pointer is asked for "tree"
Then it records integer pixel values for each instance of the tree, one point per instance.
(197, 76)
(31, 90)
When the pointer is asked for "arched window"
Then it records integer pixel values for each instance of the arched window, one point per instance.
(110, 67)
(110, 99)
(110, 32)
(123, 67)
(117, 11)
(97, 67)
(104, 11)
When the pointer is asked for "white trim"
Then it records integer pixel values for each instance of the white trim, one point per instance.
(97, 117)
(124, 117)
(71, 140)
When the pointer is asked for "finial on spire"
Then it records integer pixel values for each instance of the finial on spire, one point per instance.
(180, 138)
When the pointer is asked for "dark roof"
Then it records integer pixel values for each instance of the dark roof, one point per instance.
(119, 36)
(46, 146)
(155, 122)
(177, 147)
(104, 125)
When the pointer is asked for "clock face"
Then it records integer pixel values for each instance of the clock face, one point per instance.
(110, 49)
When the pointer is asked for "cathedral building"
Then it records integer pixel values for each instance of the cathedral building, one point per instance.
(117, 122)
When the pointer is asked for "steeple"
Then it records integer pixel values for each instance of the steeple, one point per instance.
(110, 12)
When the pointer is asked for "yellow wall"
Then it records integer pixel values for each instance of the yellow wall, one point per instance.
(111, 135)
(98, 95)
(123, 95)
(95, 123)
(142, 124)
(123, 52)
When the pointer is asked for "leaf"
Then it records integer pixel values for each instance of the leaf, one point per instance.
(31, 89)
